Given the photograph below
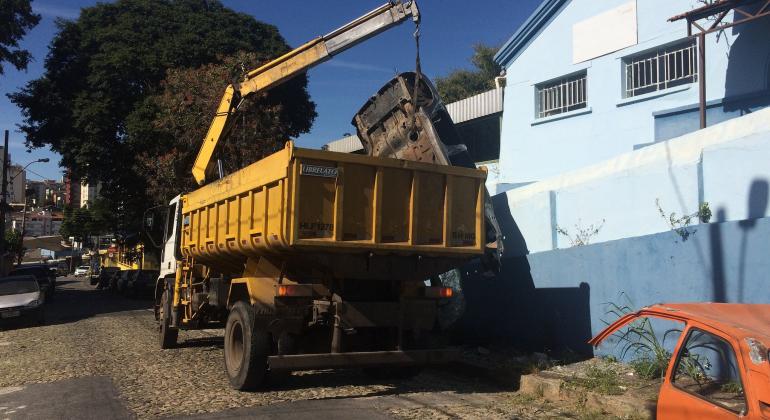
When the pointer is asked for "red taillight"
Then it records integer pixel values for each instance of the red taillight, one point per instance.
(438, 292)
(294, 290)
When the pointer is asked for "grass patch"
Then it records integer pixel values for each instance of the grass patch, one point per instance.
(604, 381)
(650, 367)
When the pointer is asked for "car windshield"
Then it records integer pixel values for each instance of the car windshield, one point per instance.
(17, 285)
(83, 267)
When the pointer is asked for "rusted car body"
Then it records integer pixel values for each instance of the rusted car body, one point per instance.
(719, 368)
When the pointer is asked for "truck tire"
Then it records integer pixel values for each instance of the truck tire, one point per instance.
(246, 348)
(166, 334)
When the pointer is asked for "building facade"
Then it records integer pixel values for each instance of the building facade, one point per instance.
(88, 193)
(71, 190)
(589, 80)
(17, 181)
(38, 222)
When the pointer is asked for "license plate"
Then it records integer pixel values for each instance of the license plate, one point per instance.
(10, 314)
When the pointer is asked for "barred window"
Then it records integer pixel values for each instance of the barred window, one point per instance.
(661, 69)
(562, 95)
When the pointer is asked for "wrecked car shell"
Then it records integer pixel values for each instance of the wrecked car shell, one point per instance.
(719, 367)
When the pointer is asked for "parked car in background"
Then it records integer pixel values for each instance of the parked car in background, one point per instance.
(62, 268)
(82, 270)
(142, 283)
(123, 279)
(21, 300)
(45, 278)
(105, 275)
(93, 276)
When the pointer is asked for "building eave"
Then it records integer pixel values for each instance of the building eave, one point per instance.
(528, 30)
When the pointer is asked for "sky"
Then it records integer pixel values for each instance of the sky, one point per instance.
(340, 86)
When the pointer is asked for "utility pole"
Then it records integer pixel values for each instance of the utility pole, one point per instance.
(3, 205)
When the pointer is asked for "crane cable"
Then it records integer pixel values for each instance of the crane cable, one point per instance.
(417, 76)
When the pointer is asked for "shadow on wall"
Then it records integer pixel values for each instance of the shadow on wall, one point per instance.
(759, 193)
(748, 66)
(508, 309)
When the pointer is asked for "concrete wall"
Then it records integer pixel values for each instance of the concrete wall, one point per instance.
(738, 68)
(724, 165)
(558, 299)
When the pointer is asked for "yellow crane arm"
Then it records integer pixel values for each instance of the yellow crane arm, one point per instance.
(292, 63)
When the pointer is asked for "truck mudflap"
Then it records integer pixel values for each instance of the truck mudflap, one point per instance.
(362, 359)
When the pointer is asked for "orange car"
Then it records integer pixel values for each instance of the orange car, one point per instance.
(719, 368)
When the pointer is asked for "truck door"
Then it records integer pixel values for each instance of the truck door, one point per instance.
(705, 380)
(170, 251)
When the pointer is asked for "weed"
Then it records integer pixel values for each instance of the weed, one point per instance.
(640, 342)
(582, 235)
(679, 224)
(732, 388)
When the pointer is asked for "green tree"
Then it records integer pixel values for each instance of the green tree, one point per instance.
(91, 105)
(181, 114)
(17, 18)
(15, 244)
(460, 84)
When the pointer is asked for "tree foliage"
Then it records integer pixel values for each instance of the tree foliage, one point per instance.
(98, 103)
(181, 114)
(15, 244)
(17, 18)
(81, 223)
(460, 84)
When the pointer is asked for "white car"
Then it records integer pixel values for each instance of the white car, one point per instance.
(82, 270)
(20, 300)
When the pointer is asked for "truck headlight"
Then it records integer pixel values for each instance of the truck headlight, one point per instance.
(33, 304)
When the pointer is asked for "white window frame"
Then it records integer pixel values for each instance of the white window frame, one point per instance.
(660, 68)
(565, 94)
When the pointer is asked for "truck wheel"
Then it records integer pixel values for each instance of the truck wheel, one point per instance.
(246, 348)
(167, 335)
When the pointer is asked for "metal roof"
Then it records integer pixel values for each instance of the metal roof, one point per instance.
(477, 106)
(347, 144)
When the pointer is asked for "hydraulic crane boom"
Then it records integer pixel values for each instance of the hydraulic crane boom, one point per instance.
(294, 62)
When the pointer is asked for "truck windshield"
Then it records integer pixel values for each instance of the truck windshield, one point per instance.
(17, 285)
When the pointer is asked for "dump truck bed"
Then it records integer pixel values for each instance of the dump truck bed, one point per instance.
(302, 200)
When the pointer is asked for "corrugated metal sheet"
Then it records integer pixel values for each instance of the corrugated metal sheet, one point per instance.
(477, 106)
(347, 144)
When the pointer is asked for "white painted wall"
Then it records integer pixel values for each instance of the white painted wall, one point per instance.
(719, 165)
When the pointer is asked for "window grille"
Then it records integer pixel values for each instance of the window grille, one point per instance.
(661, 69)
(563, 95)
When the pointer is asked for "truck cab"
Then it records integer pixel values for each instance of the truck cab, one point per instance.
(169, 254)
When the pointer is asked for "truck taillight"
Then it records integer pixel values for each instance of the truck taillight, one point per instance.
(439, 292)
(294, 290)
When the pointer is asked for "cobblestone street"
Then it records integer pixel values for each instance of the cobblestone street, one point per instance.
(94, 334)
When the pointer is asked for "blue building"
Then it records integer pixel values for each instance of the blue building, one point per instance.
(605, 175)
(588, 80)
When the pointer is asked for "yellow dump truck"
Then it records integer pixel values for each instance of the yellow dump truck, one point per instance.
(313, 259)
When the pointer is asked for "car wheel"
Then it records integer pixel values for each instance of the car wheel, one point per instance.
(166, 333)
(246, 348)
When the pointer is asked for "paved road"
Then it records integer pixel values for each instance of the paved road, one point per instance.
(97, 357)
